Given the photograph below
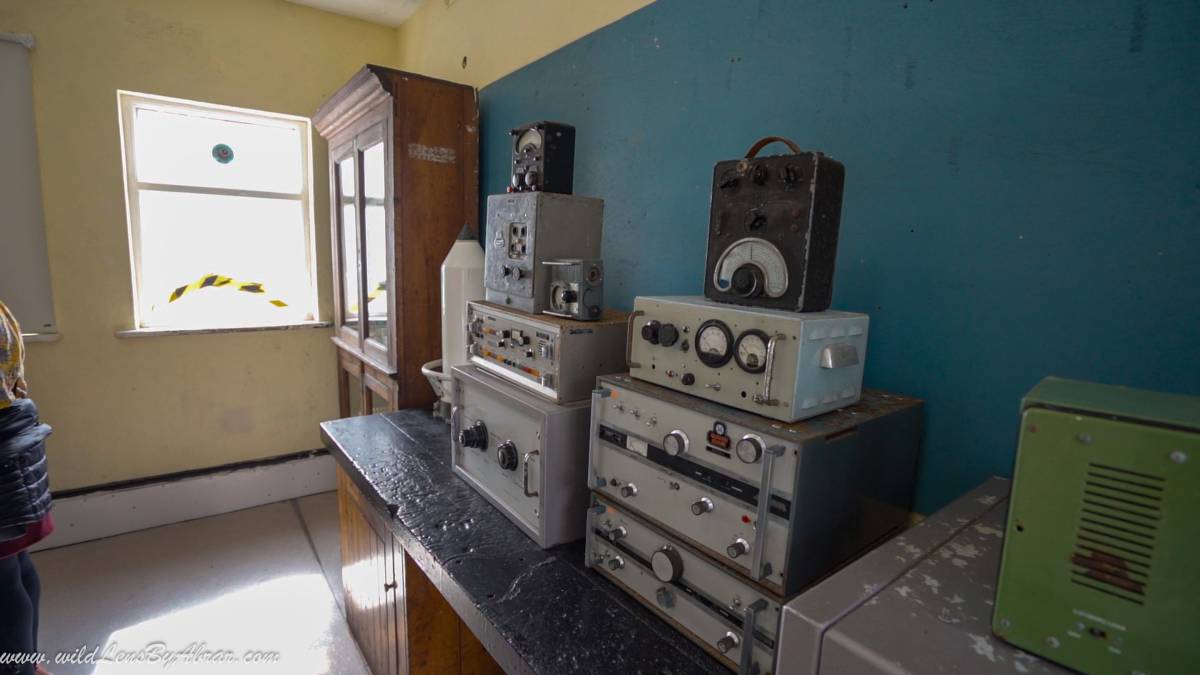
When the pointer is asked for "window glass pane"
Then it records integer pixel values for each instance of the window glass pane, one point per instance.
(355, 395)
(186, 147)
(186, 237)
(378, 403)
(375, 220)
(349, 225)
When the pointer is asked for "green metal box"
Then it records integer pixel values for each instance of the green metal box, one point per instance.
(1101, 563)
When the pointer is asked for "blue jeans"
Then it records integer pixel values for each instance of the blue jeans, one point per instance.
(20, 591)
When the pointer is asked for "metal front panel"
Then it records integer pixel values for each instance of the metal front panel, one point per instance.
(666, 498)
(816, 358)
(837, 487)
(559, 359)
(525, 229)
(544, 492)
(706, 602)
(1100, 554)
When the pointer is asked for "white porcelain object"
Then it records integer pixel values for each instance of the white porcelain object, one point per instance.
(462, 280)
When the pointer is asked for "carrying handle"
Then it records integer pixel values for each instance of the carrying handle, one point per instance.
(767, 140)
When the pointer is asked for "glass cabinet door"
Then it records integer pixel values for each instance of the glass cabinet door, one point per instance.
(346, 182)
(375, 255)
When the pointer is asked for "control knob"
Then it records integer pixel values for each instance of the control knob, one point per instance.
(628, 490)
(616, 533)
(616, 562)
(667, 564)
(738, 548)
(474, 436)
(749, 449)
(747, 281)
(650, 332)
(675, 443)
(728, 642)
(702, 506)
(506, 454)
(668, 334)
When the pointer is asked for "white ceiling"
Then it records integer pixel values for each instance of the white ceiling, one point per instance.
(387, 12)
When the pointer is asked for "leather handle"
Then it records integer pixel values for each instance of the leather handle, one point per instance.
(767, 140)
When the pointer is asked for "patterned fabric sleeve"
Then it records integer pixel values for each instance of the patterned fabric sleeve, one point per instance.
(12, 359)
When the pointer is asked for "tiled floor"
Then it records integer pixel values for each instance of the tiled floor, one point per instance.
(265, 579)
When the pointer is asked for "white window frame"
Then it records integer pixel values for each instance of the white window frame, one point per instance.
(128, 102)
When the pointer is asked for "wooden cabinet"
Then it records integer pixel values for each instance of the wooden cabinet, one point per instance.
(402, 623)
(404, 178)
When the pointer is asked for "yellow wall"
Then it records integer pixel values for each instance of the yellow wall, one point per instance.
(128, 408)
(434, 40)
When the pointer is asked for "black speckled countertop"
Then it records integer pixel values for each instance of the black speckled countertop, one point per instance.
(536, 611)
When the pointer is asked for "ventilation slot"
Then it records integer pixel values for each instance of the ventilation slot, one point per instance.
(1118, 524)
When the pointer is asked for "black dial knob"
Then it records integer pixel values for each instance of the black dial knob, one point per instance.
(506, 454)
(747, 281)
(668, 334)
(650, 332)
(569, 296)
(688, 379)
(474, 436)
(667, 564)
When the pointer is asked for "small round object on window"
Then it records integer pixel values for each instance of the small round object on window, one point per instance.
(222, 153)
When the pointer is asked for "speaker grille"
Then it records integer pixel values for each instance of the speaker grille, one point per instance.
(1118, 524)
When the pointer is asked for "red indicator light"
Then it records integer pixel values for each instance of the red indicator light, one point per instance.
(746, 519)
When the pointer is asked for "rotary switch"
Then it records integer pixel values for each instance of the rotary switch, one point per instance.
(738, 548)
(628, 490)
(749, 449)
(474, 436)
(650, 332)
(668, 334)
(616, 562)
(667, 564)
(506, 454)
(702, 506)
(616, 533)
(729, 641)
(675, 443)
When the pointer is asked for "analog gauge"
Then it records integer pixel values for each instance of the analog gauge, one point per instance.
(530, 142)
(750, 351)
(751, 267)
(714, 343)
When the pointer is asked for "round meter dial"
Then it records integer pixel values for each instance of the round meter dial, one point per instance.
(714, 343)
(750, 351)
(530, 141)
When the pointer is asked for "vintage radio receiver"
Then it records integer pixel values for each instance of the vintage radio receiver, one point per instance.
(783, 365)
(1100, 552)
(525, 455)
(773, 229)
(557, 358)
(734, 620)
(576, 288)
(698, 470)
(543, 158)
(526, 229)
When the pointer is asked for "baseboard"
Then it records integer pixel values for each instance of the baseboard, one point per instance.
(106, 513)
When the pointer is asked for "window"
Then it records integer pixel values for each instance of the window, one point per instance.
(220, 214)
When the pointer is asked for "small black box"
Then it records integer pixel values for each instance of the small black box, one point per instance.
(773, 229)
(543, 158)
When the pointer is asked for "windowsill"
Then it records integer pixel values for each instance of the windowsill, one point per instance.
(41, 337)
(157, 332)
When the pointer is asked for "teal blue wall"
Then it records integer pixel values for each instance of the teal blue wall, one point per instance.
(1022, 181)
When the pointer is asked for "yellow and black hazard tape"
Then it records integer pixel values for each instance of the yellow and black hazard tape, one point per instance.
(380, 289)
(218, 281)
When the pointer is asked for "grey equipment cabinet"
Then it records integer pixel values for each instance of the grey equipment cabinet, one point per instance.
(524, 230)
(525, 455)
(919, 603)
